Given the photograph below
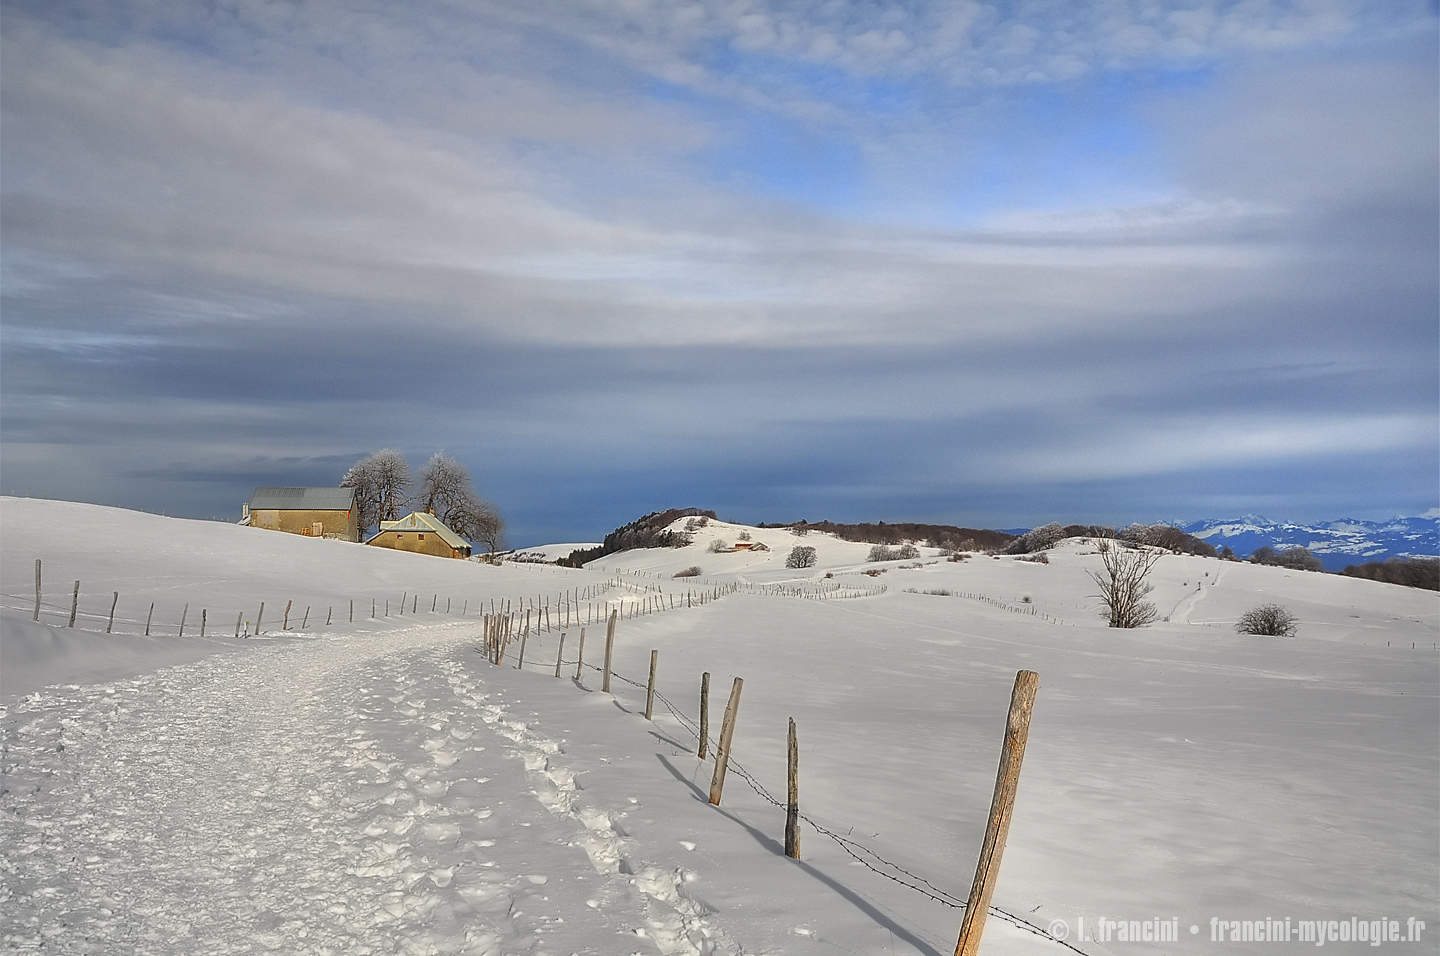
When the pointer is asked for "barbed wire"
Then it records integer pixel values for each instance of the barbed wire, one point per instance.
(853, 848)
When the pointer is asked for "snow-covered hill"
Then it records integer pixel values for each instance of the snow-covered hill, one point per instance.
(378, 786)
(1335, 543)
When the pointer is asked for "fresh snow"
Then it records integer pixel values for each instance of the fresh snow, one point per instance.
(379, 787)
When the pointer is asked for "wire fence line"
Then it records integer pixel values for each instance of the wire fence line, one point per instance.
(857, 851)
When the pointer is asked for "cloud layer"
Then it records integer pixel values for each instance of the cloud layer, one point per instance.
(982, 262)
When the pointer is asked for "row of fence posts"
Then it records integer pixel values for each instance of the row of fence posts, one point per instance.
(498, 632)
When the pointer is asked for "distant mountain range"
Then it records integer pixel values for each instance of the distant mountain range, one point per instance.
(1335, 543)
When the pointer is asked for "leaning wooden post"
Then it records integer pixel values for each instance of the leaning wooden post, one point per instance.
(792, 803)
(434, 601)
(306, 621)
(329, 613)
(285, 624)
(580, 657)
(151, 615)
(37, 590)
(238, 618)
(1007, 779)
(704, 715)
(650, 688)
(414, 603)
(258, 618)
(609, 651)
(560, 654)
(722, 752)
(524, 638)
(182, 619)
(114, 601)
(74, 604)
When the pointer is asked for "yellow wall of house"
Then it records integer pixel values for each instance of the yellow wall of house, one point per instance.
(302, 522)
(411, 541)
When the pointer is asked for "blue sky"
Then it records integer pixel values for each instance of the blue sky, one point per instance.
(978, 263)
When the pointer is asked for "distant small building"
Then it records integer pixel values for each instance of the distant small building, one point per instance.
(313, 512)
(422, 533)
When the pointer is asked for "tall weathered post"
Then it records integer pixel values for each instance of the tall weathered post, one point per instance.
(1007, 780)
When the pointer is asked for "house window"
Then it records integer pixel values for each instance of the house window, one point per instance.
(422, 536)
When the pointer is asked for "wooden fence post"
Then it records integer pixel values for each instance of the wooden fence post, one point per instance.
(352, 610)
(560, 654)
(403, 596)
(524, 638)
(182, 619)
(306, 619)
(151, 615)
(37, 590)
(650, 688)
(1007, 779)
(238, 618)
(792, 804)
(609, 651)
(329, 613)
(285, 624)
(704, 715)
(722, 751)
(203, 614)
(114, 601)
(414, 603)
(74, 604)
(434, 601)
(258, 618)
(580, 657)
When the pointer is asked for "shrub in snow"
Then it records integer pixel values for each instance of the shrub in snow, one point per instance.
(691, 572)
(1040, 558)
(718, 546)
(800, 556)
(902, 553)
(744, 536)
(1270, 620)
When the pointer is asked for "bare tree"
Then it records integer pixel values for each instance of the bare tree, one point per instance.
(447, 492)
(381, 482)
(1122, 583)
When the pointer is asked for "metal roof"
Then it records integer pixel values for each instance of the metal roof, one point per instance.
(421, 521)
(302, 499)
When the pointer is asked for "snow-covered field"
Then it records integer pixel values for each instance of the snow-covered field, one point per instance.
(376, 786)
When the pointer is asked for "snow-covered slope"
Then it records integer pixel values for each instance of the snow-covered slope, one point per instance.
(380, 787)
(1335, 543)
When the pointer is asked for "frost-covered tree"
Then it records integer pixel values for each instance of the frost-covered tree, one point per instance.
(382, 483)
(447, 492)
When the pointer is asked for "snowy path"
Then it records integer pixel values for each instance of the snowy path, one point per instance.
(341, 796)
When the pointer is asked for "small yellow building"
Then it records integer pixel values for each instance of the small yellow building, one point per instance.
(422, 533)
(313, 512)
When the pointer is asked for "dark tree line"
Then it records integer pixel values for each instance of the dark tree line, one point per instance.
(946, 536)
(1411, 572)
(648, 531)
